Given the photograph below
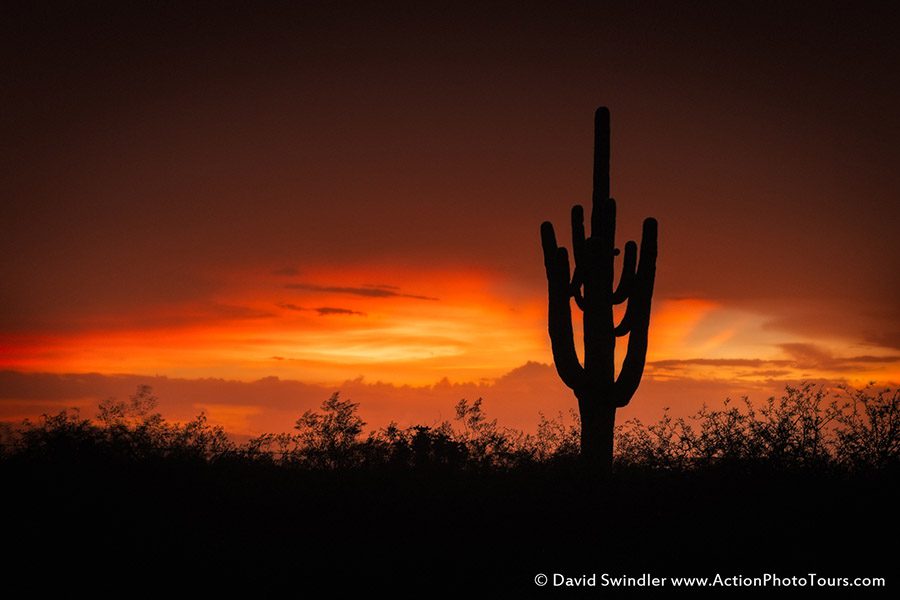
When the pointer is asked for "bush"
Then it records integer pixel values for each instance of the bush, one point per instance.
(869, 433)
(806, 428)
(801, 429)
(124, 432)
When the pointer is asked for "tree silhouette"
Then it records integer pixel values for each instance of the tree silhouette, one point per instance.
(595, 384)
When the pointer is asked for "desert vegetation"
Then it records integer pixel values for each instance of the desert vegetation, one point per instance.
(803, 481)
(805, 428)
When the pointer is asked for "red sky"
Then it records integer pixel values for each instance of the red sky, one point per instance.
(320, 193)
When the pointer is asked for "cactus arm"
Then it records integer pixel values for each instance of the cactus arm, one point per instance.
(629, 264)
(624, 326)
(624, 290)
(638, 316)
(562, 339)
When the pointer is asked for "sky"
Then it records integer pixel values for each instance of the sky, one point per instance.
(249, 206)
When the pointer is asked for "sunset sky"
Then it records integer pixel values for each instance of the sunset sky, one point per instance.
(348, 196)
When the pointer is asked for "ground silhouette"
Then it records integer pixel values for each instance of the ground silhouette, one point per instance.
(802, 483)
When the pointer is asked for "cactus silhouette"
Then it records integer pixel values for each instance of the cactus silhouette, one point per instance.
(598, 390)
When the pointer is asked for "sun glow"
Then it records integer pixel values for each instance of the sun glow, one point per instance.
(454, 324)
(412, 327)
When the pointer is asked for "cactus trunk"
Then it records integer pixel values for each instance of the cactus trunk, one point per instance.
(598, 422)
(599, 391)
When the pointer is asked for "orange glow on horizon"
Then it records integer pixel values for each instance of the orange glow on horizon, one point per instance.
(450, 324)
(428, 338)
(702, 340)
(409, 327)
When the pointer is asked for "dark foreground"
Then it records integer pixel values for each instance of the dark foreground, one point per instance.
(139, 526)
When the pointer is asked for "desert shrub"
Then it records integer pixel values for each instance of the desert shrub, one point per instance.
(667, 444)
(124, 431)
(555, 439)
(64, 437)
(486, 443)
(419, 447)
(805, 428)
(329, 439)
(793, 431)
(868, 432)
(197, 439)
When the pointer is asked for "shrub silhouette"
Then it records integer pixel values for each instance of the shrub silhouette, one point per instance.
(456, 502)
(555, 439)
(806, 428)
(869, 432)
(124, 432)
(800, 430)
(667, 444)
(138, 409)
(62, 437)
(417, 447)
(485, 442)
(792, 431)
(330, 439)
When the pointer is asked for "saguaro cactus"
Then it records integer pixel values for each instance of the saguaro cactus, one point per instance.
(598, 390)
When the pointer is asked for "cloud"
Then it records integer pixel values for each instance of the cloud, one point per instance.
(323, 311)
(886, 339)
(286, 271)
(329, 310)
(874, 359)
(368, 291)
(273, 405)
(801, 356)
(765, 373)
(875, 327)
(807, 356)
(811, 356)
(717, 362)
(289, 306)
